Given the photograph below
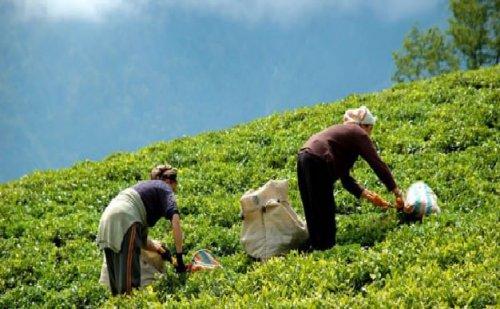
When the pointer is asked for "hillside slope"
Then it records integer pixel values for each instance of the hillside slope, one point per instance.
(444, 131)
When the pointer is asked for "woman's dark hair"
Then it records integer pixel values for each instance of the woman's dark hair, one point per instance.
(163, 172)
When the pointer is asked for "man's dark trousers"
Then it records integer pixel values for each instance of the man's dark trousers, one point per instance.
(316, 191)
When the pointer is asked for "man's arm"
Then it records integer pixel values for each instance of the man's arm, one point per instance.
(351, 185)
(370, 155)
(384, 174)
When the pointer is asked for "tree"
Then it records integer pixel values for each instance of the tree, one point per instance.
(473, 40)
(424, 54)
(493, 26)
(472, 24)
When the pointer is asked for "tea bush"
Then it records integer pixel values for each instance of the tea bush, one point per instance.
(444, 131)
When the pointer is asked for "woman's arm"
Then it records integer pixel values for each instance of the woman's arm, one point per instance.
(177, 232)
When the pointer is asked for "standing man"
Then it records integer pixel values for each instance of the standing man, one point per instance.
(123, 227)
(330, 155)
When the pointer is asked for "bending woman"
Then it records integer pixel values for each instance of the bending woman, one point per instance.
(124, 225)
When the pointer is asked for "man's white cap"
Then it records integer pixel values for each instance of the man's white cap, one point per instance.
(369, 118)
(360, 115)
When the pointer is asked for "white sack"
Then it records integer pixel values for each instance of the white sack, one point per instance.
(270, 226)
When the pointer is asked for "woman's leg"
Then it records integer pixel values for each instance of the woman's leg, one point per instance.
(112, 262)
(124, 267)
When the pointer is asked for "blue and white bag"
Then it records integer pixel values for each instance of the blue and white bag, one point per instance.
(421, 200)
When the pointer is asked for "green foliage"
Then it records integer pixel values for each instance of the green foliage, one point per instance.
(444, 131)
(424, 54)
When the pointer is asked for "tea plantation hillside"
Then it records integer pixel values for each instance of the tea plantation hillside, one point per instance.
(444, 131)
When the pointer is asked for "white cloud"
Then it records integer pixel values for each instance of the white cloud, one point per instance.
(254, 11)
(86, 10)
(247, 11)
(286, 11)
(401, 9)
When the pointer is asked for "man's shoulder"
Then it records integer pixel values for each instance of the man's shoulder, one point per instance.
(356, 130)
(346, 129)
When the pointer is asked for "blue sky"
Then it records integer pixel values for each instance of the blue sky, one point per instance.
(82, 79)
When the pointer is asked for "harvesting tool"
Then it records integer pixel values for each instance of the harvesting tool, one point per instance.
(202, 260)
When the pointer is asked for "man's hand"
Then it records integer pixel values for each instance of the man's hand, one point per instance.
(375, 199)
(400, 200)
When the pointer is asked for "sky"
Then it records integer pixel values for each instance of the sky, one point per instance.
(82, 79)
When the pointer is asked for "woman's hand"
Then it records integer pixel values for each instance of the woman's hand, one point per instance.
(155, 246)
(180, 267)
(375, 199)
